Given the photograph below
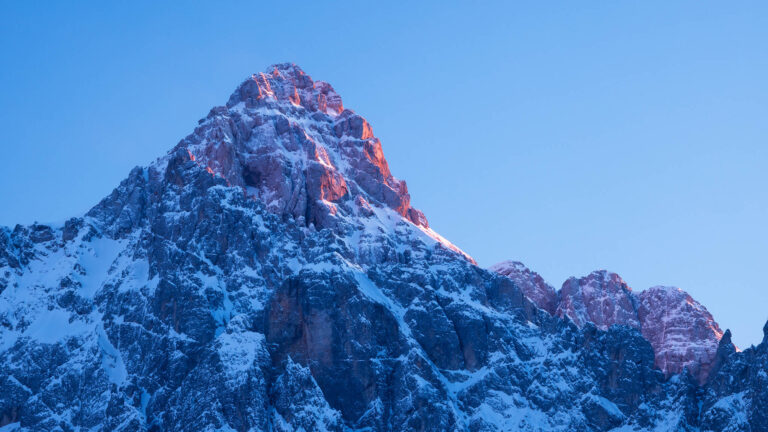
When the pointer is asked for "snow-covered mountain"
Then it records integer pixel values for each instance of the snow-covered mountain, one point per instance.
(270, 274)
(683, 334)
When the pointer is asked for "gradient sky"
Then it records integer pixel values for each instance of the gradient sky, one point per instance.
(572, 136)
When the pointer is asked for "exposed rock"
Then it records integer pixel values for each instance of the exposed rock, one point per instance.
(269, 273)
(287, 141)
(683, 334)
(533, 285)
(601, 298)
(736, 396)
(682, 331)
(765, 332)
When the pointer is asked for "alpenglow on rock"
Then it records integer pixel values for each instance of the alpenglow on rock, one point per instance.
(681, 330)
(270, 274)
(288, 141)
(601, 298)
(683, 334)
(531, 283)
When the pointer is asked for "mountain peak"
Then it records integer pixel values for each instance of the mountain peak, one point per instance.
(287, 141)
(606, 276)
(602, 298)
(765, 332)
(725, 340)
(287, 83)
(285, 68)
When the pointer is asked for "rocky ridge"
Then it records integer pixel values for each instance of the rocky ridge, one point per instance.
(269, 273)
(683, 334)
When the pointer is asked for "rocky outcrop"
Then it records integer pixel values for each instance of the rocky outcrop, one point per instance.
(531, 283)
(736, 396)
(288, 141)
(683, 334)
(601, 298)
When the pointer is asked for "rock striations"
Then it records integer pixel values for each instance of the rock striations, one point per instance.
(681, 330)
(270, 274)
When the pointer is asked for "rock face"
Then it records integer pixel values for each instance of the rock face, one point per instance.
(269, 273)
(531, 283)
(601, 298)
(683, 334)
(682, 331)
(736, 395)
(288, 141)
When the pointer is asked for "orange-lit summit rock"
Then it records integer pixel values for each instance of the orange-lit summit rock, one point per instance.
(288, 140)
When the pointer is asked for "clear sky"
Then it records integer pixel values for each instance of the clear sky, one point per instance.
(572, 136)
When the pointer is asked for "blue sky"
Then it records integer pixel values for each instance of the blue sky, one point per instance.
(572, 136)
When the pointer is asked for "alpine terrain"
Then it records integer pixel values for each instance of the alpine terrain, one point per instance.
(269, 274)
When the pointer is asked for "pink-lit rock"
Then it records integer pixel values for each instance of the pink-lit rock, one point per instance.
(531, 283)
(681, 330)
(683, 334)
(288, 140)
(601, 298)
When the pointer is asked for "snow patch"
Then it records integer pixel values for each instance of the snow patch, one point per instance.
(238, 352)
(111, 360)
(54, 326)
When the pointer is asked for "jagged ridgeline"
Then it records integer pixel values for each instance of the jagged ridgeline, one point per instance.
(270, 274)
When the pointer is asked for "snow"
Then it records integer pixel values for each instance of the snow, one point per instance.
(27, 305)
(238, 352)
(96, 258)
(607, 405)
(373, 292)
(734, 405)
(472, 378)
(144, 402)
(224, 314)
(111, 359)
(442, 240)
(511, 413)
(54, 326)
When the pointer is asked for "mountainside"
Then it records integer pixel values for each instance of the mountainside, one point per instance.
(683, 334)
(270, 274)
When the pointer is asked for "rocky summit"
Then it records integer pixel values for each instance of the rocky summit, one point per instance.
(269, 273)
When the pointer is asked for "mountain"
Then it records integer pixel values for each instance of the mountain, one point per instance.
(270, 274)
(683, 334)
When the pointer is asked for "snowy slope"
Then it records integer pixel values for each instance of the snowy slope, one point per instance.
(269, 273)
